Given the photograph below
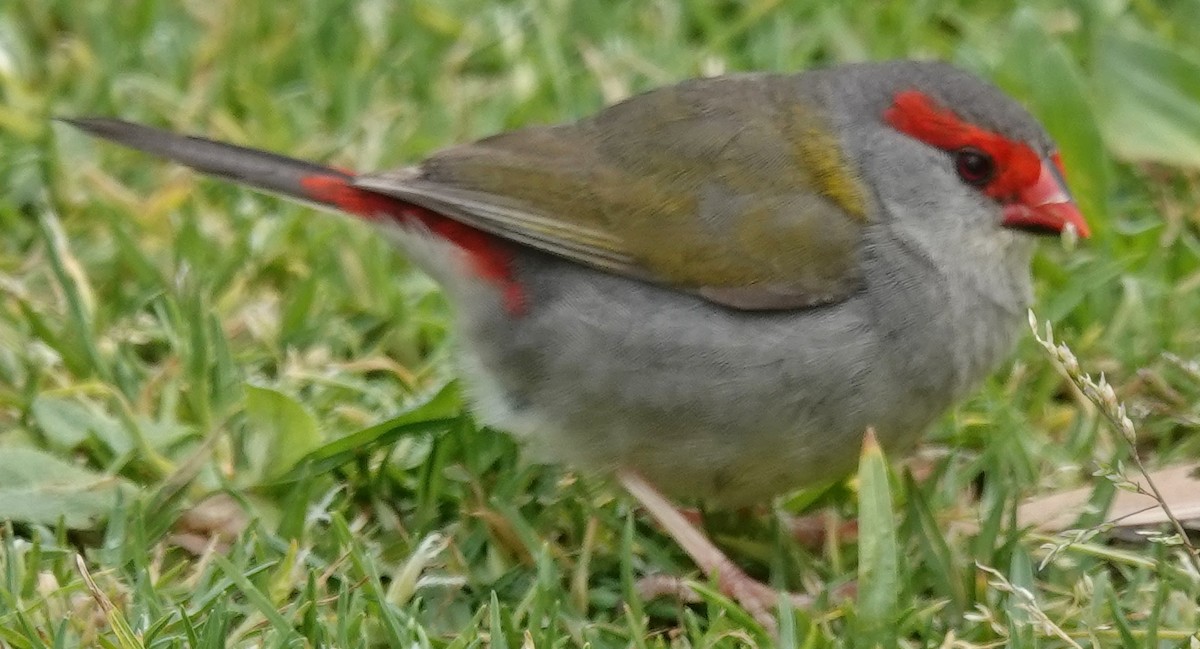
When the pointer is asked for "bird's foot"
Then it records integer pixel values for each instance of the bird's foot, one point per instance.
(759, 599)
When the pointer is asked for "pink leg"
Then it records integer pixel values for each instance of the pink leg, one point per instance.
(813, 530)
(756, 597)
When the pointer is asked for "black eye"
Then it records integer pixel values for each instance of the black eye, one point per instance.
(974, 166)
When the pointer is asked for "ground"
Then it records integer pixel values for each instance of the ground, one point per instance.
(229, 420)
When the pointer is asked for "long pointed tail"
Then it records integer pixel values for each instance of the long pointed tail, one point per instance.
(261, 169)
(307, 181)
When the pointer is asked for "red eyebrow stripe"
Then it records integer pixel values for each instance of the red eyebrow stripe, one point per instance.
(913, 113)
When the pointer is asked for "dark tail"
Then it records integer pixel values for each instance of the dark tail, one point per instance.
(313, 183)
(261, 169)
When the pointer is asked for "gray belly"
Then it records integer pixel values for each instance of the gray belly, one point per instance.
(727, 406)
(731, 407)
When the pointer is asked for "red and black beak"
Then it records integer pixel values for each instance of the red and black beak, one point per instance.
(1046, 206)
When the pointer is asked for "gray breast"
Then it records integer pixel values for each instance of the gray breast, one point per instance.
(606, 372)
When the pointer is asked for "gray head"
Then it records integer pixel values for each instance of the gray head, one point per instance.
(935, 140)
(872, 87)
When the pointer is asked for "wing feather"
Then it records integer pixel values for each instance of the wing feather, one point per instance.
(728, 188)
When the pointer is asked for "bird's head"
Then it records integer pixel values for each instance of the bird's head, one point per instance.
(943, 131)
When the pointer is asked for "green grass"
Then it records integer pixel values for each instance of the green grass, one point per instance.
(179, 358)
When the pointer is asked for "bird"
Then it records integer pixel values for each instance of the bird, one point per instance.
(712, 290)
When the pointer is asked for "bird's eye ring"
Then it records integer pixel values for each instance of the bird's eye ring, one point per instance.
(975, 167)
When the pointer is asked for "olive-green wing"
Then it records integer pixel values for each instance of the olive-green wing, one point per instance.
(731, 188)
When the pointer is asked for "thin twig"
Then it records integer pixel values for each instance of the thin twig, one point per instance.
(1104, 397)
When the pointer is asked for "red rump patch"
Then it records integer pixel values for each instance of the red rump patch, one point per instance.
(490, 257)
(1017, 165)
